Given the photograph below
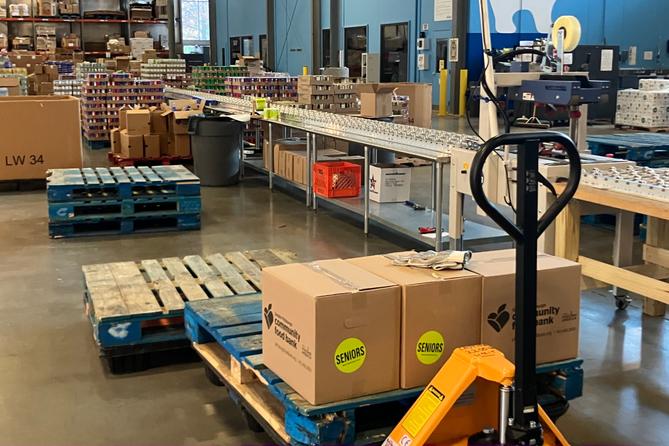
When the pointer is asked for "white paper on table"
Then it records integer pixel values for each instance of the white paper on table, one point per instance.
(434, 235)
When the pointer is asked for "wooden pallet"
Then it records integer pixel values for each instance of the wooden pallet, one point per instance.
(117, 160)
(227, 334)
(140, 305)
(64, 185)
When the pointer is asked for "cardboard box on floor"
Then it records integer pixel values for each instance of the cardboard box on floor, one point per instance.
(558, 304)
(389, 183)
(39, 133)
(331, 330)
(441, 311)
(177, 113)
(376, 100)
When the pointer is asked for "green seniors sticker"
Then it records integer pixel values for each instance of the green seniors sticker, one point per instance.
(350, 355)
(430, 347)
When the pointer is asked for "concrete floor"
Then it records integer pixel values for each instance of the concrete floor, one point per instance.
(54, 389)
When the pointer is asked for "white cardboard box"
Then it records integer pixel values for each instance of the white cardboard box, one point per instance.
(389, 183)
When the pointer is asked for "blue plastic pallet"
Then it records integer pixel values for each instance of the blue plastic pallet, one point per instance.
(137, 207)
(643, 148)
(65, 185)
(234, 326)
(123, 226)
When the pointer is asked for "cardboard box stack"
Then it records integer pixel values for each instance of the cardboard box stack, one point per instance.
(139, 133)
(171, 71)
(212, 79)
(40, 82)
(103, 95)
(19, 9)
(138, 45)
(177, 113)
(15, 80)
(160, 9)
(70, 41)
(22, 43)
(346, 98)
(45, 39)
(42, 129)
(3, 14)
(647, 107)
(271, 87)
(316, 92)
(68, 7)
(47, 8)
(369, 325)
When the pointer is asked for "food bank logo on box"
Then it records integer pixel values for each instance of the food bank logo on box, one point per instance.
(283, 328)
(545, 316)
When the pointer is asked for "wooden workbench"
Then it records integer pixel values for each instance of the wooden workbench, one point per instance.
(646, 280)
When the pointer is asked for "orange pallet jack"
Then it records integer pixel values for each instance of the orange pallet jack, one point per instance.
(479, 397)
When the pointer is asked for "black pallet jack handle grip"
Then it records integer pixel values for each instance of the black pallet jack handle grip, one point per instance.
(531, 140)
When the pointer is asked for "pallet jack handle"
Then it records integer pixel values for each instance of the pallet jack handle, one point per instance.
(523, 425)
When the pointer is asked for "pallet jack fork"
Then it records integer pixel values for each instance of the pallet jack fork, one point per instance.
(479, 397)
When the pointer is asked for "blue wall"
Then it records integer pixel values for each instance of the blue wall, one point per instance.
(640, 23)
(292, 24)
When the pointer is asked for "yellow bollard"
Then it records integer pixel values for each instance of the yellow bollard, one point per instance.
(464, 79)
(305, 70)
(443, 88)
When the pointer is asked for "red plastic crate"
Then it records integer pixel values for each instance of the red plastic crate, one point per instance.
(337, 179)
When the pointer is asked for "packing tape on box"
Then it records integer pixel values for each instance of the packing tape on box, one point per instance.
(572, 32)
(333, 276)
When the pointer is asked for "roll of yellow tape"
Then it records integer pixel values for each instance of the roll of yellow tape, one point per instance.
(572, 32)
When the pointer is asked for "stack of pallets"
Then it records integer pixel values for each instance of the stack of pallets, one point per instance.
(646, 149)
(122, 200)
(136, 308)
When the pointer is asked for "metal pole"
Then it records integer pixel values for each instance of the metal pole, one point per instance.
(366, 191)
(438, 218)
(314, 160)
(335, 26)
(271, 156)
(504, 406)
(434, 185)
(241, 155)
(309, 167)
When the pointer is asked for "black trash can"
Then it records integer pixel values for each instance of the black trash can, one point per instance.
(216, 142)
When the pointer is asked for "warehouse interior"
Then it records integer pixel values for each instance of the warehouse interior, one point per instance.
(305, 222)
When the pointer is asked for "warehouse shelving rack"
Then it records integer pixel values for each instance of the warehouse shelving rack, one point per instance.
(79, 24)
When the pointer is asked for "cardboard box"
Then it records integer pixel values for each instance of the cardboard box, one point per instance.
(164, 144)
(122, 120)
(39, 133)
(389, 183)
(376, 100)
(115, 137)
(441, 311)
(331, 330)
(558, 304)
(138, 122)
(280, 146)
(179, 145)
(151, 146)
(12, 84)
(45, 88)
(158, 122)
(123, 63)
(132, 146)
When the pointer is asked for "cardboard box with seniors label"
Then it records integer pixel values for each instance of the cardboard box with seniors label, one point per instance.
(441, 311)
(331, 330)
(558, 304)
